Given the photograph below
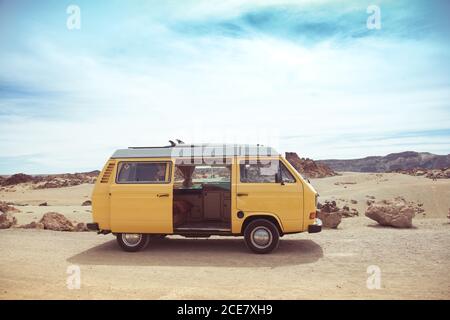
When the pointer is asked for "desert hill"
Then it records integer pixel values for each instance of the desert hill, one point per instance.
(392, 162)
(308, 167)
(48, 181)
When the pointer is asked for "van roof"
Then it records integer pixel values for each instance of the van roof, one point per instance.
(195, 150)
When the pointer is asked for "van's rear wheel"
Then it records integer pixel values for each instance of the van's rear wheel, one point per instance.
(132, 242)
(261, 236)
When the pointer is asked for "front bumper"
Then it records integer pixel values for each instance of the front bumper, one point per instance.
(316, 226)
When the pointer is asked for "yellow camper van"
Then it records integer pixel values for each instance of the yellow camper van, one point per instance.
(199, 191)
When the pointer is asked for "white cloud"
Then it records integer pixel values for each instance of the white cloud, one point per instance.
(254, 90)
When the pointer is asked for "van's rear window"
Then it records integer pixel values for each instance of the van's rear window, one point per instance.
(142, 172)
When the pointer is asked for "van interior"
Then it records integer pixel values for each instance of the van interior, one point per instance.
(202, 197)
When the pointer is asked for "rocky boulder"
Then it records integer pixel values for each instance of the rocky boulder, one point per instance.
(7, 220)
(396, 213)
(6, 207)
(56, 222)
(330, 219)
(330, 214)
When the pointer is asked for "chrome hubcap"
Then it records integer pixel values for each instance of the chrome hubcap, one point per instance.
(131, 239)
(261, 237)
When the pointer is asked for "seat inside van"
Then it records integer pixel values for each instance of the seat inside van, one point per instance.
(202, 197)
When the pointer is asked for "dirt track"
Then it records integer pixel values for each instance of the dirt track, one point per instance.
(414, 263)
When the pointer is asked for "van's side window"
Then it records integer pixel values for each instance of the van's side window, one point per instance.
(142, 172)
(267, 172)
(260, 172)
(286, 174)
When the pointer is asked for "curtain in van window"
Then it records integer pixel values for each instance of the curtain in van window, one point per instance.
(127, 172)
(186, 172)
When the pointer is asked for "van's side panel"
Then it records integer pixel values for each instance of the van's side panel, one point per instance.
(142, 207)
(100, 196)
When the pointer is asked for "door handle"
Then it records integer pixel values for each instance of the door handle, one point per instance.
(160, 195)
(242, 194)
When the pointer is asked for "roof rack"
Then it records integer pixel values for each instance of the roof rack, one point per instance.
(205, 150)
(172, 144)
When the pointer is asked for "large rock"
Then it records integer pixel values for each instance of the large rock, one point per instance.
(330, 219)
(57, 222)
(396, 213)
(330, 214)
(7, 220)
(5, 207)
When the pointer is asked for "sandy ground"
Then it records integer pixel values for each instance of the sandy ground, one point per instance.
(414, 263)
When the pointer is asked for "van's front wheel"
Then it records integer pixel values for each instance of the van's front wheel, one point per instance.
(261, 236)
(132, 242)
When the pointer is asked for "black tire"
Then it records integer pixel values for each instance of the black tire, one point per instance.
(269, 236)
(132, 246)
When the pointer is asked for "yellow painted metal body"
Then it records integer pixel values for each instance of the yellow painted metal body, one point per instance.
(147, 208)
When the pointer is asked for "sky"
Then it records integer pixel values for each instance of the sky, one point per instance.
(303, 76)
